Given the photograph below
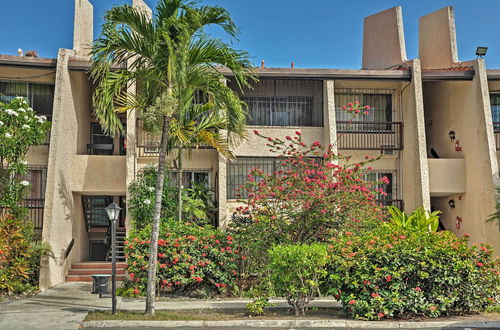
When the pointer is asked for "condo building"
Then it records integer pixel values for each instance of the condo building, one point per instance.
(434, 119)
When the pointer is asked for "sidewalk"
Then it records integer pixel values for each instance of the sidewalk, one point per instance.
(65, 307)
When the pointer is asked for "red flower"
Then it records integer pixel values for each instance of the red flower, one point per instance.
(479, 264)
(136, 291)
(390, 246)
(131, 276)
(164, 281)
(243, 258)
(432, 308)
(349, 243)
(388, 278)
(352, 302)
(348, 233)
(381, 315)
(203, 254)
(217, 284)
(366, 282)
(466, 235)
(375, 295)
(256, 132)
(418, 288)
(298, 133)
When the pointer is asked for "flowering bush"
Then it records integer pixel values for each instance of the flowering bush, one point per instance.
(296, 271)
(20, 128)
(190, 258)
(388, 273)
(307, 199)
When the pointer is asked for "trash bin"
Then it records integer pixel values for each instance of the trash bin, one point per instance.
(100, 284)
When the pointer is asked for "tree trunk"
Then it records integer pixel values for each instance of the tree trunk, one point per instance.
(179, 183)
(153, 254)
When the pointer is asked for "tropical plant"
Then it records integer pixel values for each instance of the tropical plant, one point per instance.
(420, 219)
(398, 272)
(296, 271)
(167, 55)
(495, 217)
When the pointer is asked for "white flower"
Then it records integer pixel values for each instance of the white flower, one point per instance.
(21, 110)
(24, 183)
(43, 117)
(26, 126)
(19, 98)
(151, 189)
(11, 112)
(147, 201)
(24, 162)
(8, 135)
(1, 123)
(30, 109)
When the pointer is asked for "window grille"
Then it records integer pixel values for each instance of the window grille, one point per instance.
(392, 188)
(239, 169)
(190, 177)
(495, 110)
(379, 100)
(279, 102)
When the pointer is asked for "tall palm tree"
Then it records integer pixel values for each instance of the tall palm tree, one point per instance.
(165, 54)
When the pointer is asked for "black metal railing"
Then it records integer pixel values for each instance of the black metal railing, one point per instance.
(100, 149)
(35, 213)
(369, 135)
(496, 130)
(391, 202)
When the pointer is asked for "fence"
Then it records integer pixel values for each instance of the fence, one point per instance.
(367, 135)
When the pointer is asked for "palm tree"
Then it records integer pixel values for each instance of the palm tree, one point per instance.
(165, 54)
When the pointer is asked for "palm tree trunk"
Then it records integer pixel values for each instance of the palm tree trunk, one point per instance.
(151, 287)
(179, 183)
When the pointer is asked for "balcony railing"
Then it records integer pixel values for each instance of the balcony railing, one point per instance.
(35, 213)
(496, 129)
(369, 135)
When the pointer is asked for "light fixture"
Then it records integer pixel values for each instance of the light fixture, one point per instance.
(452, 135)
(481, 51)
(113, 212)
(451, 203)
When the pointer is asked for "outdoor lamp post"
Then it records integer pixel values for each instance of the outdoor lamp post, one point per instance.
(113, 212)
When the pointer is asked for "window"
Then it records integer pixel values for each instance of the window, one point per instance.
(239, 169)
(279, 102)
(37, 177)
(390, 189)
(94, 208)
(101, 143)
(495, 110)
(189, 177)
(379, 100)
(39, 96)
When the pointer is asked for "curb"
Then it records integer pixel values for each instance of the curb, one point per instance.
(326, 324)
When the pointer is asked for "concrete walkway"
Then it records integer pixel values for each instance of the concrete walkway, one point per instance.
(65, 307)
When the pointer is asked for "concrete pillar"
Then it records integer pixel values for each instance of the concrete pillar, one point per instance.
(221, 191)
(383, 39)
(83, 33)
(330, 126)
(437, 43)
(60, 225)
(140, 4)
(414, 168)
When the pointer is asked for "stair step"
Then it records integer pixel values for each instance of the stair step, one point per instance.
(97, 265)
(119, 271)
(88, 278)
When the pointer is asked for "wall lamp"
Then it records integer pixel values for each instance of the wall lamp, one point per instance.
(452, 135)
(481, 51)
(451, 203)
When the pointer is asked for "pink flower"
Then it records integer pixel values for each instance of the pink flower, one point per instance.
(375, 295)
(256, 132)
(432, 308)
(352, 302)
(418, 288)
(367, 107)
(298, 133)
(479, 264)
(381, 315)
(349, 243)
(136, 291)
(388, 278)
(466, 235)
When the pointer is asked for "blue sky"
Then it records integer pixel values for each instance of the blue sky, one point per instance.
(313, 33)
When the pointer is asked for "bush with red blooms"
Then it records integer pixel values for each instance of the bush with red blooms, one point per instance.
(313, 193)
(191, 259)
(390, 272)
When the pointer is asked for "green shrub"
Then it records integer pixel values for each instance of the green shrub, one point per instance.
(404, 273)
(295, 272)
(420, 219)
(190, 258)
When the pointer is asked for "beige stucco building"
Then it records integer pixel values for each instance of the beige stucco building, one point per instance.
(436, 121)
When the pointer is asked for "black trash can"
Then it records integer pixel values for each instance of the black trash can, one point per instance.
(100, 284)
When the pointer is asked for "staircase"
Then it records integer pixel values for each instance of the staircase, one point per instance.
(83, 271)
(120, 246)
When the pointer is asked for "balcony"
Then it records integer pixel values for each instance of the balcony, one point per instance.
(35, 213)
(369, 135)
(446, 176)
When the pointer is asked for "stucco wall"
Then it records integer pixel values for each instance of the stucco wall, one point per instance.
(463, 107)
(446, 176)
